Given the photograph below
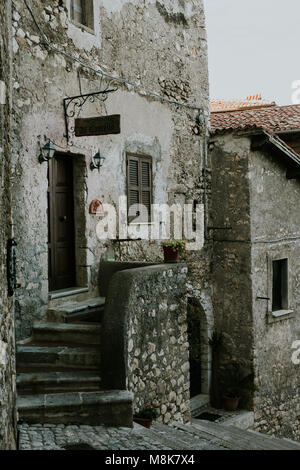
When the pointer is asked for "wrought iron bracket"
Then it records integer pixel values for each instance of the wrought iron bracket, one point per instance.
(74, 104)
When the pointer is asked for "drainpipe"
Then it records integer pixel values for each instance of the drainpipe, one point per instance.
(205, 185)
(202, 125)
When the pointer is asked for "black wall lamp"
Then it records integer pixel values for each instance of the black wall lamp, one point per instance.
(97, 161)
(47, 152)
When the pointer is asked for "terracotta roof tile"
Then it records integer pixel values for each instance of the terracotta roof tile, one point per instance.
(219, 106)
(272, 119)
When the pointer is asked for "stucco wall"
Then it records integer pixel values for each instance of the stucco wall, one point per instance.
(275, 234)
(252, 195)
(162, 46)
(7, 361)
(229, 224)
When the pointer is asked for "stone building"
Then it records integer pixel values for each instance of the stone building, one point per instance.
(255, 212)
(147, 63)
(128, 81)
(7, 349)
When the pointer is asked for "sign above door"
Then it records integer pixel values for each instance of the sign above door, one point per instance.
(101, 125)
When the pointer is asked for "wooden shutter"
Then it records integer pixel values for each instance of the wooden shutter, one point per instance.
(146, 176)
(139, 183)
(78, 11)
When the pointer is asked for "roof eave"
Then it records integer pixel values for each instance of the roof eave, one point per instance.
(290, 156)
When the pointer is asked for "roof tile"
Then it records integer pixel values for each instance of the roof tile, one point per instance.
(272, 119)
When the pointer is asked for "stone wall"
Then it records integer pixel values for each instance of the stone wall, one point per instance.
(144, 339)
(7, 357)
(159, 45)
(229, 221)
(275, 234)
(253, 197)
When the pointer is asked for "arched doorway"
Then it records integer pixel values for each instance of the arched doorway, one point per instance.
(200, 361)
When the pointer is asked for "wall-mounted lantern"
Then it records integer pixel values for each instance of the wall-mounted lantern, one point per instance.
(97, 161)
(47, 152)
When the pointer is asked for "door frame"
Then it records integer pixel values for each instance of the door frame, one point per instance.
(52, 221)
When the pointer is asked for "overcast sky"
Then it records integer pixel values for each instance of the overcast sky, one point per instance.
(253, 47)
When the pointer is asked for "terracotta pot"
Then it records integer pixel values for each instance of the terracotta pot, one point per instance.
(170, 256)
(231, 403)
(143, 422)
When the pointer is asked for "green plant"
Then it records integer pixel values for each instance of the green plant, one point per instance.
(148, 412)
(175, 245)
(239, 382)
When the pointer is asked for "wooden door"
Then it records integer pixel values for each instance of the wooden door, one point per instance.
(61, 245)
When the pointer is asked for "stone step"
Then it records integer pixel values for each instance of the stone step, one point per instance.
(48, 357)
(90, 309)
(241, 439)
(47, 382)
(112, 408)
(66, 333)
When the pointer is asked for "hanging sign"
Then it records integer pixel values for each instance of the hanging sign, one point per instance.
(101, 125)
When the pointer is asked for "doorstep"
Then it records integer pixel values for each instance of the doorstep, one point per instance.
(69, 309)
(197, 404)
(242, 419)
(58, 294)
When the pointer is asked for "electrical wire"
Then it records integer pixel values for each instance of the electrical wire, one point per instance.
(101, 72)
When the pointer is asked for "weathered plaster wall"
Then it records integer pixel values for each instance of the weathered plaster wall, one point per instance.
(231, 261)
(7, 361)
(251, 194)
(144, 339)
(275, 233)
(162, 46)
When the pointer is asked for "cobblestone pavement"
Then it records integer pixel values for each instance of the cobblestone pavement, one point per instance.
(200, 435)
(58, 436)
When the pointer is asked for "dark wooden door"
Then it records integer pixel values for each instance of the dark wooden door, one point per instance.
(61, 246)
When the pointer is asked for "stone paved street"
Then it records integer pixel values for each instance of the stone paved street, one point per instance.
(201, 435)
(57, 436)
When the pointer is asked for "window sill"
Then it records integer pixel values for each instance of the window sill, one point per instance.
(140, 223)
(83, 27)
(279, 315)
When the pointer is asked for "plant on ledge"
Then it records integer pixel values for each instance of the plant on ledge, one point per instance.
(240, 385)
(146, 415)
(172, 250)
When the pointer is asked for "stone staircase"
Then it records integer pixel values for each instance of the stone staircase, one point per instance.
(58, 371)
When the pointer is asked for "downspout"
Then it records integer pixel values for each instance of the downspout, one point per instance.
(202, 124)
(205, 184)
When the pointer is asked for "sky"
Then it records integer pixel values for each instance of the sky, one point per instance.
(254, 48)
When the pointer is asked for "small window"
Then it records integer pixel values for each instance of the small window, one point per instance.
(82, 12)
(280, 285)
(139, 187)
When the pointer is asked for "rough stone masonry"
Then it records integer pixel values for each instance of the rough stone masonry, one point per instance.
(162, 46)
(7, 352)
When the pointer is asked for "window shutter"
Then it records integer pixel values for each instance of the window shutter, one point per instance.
(139, 183)
(146, 177)
(78, 11)
(133, 182)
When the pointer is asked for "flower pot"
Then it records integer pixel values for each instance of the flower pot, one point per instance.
(146, 422)
(171, 255)
(231, 403)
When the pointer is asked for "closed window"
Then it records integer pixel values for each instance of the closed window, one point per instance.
(280, 285)
(82, 12)
(139, 187)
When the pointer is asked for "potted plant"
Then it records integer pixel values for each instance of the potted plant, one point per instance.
(231, 400)
(240, 385)
(172, 250)
(145, 416)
